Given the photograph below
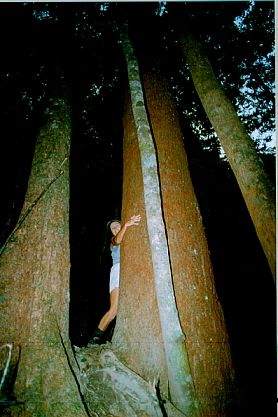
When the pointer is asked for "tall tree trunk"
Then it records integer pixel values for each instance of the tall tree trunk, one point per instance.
(138, 331)
(248, 168)
(35, 267)
(178, 370)
(199, 309)
(194, 291)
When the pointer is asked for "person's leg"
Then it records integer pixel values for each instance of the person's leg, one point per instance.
(99, 333)
(112, 312)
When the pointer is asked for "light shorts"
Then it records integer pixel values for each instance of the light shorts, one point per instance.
(114, 277)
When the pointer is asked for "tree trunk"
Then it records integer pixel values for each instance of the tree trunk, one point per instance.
(248, 168)
(35, 267)
(199, 309)
(138, 332)
(178, 371)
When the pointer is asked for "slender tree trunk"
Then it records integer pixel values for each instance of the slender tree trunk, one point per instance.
(180, 380)
(35, 267)
(247, 166)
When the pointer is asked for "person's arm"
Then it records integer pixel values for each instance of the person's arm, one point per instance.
(134, 220)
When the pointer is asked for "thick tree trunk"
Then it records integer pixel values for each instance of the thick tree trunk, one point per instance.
(199, 309)
(35, 267)
(247, 166)
(180, 381)
(138, 331)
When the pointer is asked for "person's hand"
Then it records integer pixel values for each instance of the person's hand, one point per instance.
(134, 220)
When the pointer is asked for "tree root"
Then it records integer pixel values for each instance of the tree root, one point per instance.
(111, 389)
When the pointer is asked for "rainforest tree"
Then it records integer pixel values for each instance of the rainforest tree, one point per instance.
(81, 46)
(35, 262)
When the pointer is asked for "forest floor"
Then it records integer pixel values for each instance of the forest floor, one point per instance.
(111, 389)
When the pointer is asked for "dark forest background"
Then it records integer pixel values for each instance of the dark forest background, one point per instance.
(49, 46)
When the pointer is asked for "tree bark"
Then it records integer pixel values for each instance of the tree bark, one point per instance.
(35, 268)
(138, 331)
(199, 309)
(137, 334)
(248, 169)
(179, 375)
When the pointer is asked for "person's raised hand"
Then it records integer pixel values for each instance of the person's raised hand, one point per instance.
(134, 220)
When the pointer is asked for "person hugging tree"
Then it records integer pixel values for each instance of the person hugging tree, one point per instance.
(118, 231)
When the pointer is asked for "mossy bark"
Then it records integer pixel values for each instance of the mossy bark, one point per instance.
(248, 169)
(35, 268)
